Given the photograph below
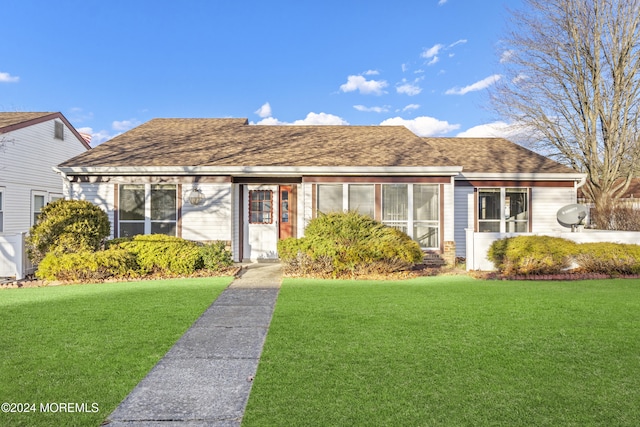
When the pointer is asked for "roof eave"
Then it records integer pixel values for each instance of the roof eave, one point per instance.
(265, 171)
(522, 176)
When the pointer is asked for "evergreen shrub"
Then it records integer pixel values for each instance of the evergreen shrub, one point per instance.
(87, 265)
(532, 254)
(158, 253)
(348, 243)
(66, 226)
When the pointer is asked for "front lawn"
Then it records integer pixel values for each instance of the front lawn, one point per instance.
(451, 351)
(89, 345)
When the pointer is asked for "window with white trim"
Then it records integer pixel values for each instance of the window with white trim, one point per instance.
(330, 198)
(362, 199)
(395, 206)
(38, 201)
(147, 209)
(411, 208)
(503, 210)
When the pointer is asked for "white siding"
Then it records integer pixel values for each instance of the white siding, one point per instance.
(463, 216)
(100, 195)
(545, 203)
(26, 163)
(212, 220)
(449, 213)
(307, 208)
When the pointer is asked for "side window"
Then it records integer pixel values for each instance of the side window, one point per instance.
(503, 210)
(395, 206)
(362, 199)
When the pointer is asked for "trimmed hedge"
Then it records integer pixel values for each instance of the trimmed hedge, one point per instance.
(348, 243)
(87, 265)
(550, 255)
(137, 256)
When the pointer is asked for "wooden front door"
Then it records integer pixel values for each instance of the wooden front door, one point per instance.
(286, 212)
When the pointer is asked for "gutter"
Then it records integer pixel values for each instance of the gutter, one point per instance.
(263, 171)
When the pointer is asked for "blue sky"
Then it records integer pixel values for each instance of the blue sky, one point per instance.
(111, 65)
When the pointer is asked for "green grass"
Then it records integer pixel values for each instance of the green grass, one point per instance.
(90, 343)
(451, 351)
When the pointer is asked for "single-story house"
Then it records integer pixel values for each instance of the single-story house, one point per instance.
(250, 185)
(30, 145)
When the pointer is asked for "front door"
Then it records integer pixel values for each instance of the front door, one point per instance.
(261, 219)
(269, 215)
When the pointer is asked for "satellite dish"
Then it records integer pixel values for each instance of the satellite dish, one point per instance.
(572, 215)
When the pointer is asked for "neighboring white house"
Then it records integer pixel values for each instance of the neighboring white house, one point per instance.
(223, 179)
(31, 144)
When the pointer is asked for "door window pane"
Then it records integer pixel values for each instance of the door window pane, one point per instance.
(362, 199)
(330, 198)
(260, 207)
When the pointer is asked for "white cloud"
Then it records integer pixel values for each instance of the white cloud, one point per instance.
(321, 119)
(411, 107)
(264, 111)
(8, 78)
(98, 137)
(461, 41)
(519, 78)
(505, 56)
(497, 129)
(364, 86)
(434, 60)
(407, 88)
(371, 73)
(480, 85)
(422, 126)
(383, 109)
(124, 125)
(432, 51)
(441, 2)
(405, 67)
(311, 119)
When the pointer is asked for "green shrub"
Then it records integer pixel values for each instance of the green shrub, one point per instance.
(532, 254)
(66, 226)
(157, 253)
(608, 258)
(87, 265)
(348, 243)
(215, 256)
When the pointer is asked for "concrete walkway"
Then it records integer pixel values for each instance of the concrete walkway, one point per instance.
(206, 377)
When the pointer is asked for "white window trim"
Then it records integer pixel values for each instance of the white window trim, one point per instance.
(147, 211)
(35, 193)
(409, 223)
(503, 206)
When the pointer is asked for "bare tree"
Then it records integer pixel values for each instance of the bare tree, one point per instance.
(572, 79)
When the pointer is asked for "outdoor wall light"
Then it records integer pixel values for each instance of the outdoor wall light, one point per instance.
(195, 197)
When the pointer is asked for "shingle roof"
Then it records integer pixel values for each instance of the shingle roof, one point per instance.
(233, 142)
(494, 155)
(11, 118)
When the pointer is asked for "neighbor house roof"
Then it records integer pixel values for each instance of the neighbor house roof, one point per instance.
(10, 121)
(494, 155)
(233, 142)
